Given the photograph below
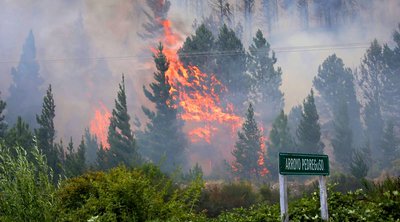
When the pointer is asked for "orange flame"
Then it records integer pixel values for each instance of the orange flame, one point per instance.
(261, 161)
(99, 124)
(196, 94)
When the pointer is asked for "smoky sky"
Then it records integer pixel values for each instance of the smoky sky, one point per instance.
(83, 47)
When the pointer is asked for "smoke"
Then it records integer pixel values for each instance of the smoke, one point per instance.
(72, 37)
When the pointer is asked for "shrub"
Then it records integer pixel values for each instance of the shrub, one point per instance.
(126, 195)
(221, 197)
(26, 191)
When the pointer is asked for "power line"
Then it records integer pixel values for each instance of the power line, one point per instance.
(277, 50)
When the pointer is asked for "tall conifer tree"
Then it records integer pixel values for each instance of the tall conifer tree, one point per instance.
(231, 68)
(265, 79)
(75, 160)
(20, 135)
(26, 81)
(120, 137)
(92, 147)
(197, 49)
(309, 130)
(280, 141)
(247, 149)
(163, 140)
(46, 133)
(342, 141)
(335, 84)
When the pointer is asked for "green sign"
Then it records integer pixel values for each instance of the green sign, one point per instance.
(303, 164)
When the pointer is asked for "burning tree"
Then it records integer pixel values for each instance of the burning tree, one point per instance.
(163, 139)
(249, 150)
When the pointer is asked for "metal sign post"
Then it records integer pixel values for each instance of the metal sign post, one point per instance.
(303, 164)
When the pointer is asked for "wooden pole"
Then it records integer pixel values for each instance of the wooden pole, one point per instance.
(283, 198)
(323, 197)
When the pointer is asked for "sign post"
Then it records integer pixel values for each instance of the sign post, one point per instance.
(303, 164)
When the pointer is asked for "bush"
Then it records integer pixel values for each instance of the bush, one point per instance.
(221, 197)
(126, 195)
(26, 191)
(268, 194)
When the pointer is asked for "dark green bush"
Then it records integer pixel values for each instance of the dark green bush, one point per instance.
(268, 194)
(221, 197)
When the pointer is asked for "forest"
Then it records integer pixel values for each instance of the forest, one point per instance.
(195, 133)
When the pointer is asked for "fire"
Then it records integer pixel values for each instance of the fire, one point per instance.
(196, 93)
(261, 160)
(99, 124)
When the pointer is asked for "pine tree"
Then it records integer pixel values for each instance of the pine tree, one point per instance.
(309, 130)
(92, 147)
(335, 84)
(390, 144)
(265, 79)
(20, 135)
(342, 141)
(75, 160)
(102, 162)
(280, 140)
(123, 148)
(294, 118)
(359, 164)
(247, 149)
(3, 124)
(372, 71)
(26, 81)
(70, 160)
(163, 140)
(46, 133)
(202, 43)
(231, 70)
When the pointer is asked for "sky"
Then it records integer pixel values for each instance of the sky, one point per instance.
(84, 46)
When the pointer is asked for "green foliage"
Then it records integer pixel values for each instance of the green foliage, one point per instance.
(335, 84)
(195, 172)
(280, 140)
(247, 150)
(75, 160)
(20, 136)
(91, 148)
(46, 134)
(217, 198)
(25, 92)
(390, 144)
(268, 194)
(342, 141)
(344, 182)
(126, 195)
(3, 124)
(123, 148)
(202, 43)
(26, 190)
(309, 130)
(163, 140)
(231, 70)
(360, 162)
(265, 79)
(255, 213)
